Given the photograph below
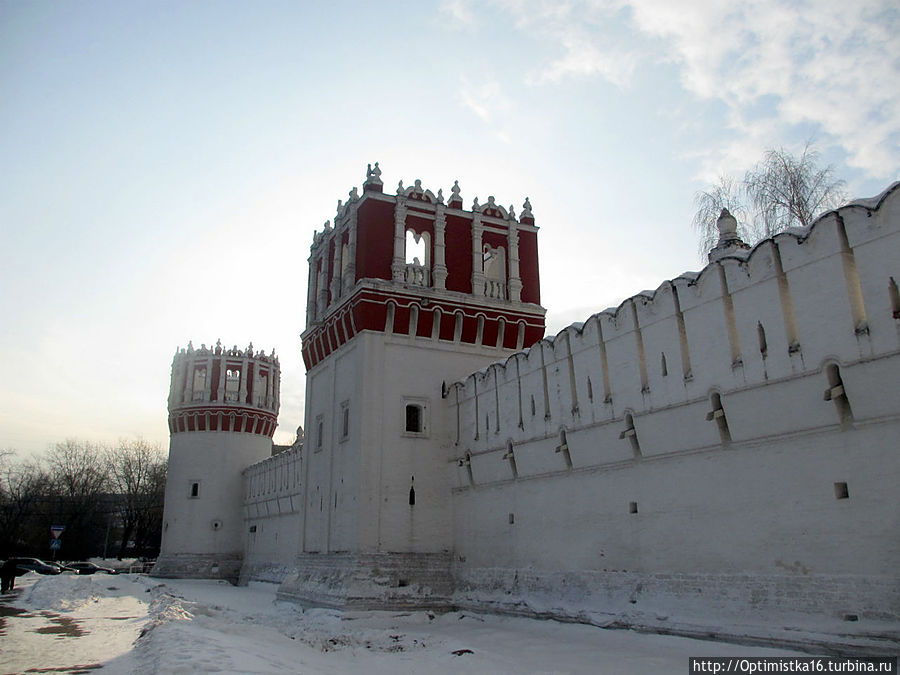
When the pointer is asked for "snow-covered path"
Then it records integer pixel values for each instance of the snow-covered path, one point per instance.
(134, 624)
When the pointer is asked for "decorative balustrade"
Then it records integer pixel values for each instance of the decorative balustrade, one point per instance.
(416, 275)
(496, 289)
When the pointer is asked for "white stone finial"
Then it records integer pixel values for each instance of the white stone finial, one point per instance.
(339, 207)
(526, 209)
(327, 226)
(373, 175)
(400, 187)
(440, 196)
(729, 240)
(475, 205)
(727, 226)
(418, 185)
(354, 194)
(512, 212)
(455, 190)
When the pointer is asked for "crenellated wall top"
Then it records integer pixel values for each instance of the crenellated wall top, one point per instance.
(219, 350)
(739, 269)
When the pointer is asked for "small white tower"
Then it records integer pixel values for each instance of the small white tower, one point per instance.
(223, 409)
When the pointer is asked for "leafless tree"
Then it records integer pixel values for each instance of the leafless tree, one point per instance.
(788, 191)
(781, 191)
(726, 194)
(137, 470)
(79, 486)
(23, 487)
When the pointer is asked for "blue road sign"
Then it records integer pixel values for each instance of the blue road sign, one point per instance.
(55, 544)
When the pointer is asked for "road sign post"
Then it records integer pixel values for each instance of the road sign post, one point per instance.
(55, 541)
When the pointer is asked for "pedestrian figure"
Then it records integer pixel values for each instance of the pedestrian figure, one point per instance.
(8, 575)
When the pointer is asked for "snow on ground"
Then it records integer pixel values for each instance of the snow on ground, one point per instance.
(134, 624)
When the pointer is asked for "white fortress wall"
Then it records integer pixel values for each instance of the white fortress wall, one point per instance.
(721, 457)
(273, 500)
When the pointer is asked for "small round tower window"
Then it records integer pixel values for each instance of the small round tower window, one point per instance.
(217, 524)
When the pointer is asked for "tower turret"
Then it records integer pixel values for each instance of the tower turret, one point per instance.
(223, 409)
(407, 293)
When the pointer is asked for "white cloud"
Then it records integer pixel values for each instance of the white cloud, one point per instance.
(831, 65)
(490, 103)
(459, 12)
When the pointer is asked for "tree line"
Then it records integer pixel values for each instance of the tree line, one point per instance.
(108, 498)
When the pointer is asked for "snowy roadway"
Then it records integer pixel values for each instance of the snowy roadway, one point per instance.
(134, 624)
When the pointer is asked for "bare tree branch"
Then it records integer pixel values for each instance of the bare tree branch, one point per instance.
(782, 191)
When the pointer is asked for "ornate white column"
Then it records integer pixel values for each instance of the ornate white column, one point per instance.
(439, 271)
(311, 314)
(207, 385)
(220, 393)
(189, 380)
(398, 264)
(336, 266)
(322, 287)
(477, 253)
(349, 280)
(515, 283)
(244, 370)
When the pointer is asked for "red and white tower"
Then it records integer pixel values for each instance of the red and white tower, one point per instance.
(407, 292)
(223, 409)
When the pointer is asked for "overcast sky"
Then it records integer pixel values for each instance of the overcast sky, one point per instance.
(163, 165)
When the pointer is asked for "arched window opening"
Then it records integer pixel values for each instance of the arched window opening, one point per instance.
(418, 258)
(494, 272)
(232, 384)
(198, 386)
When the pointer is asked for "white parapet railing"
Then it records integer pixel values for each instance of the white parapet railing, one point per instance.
(495, 289)
(416, 275)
